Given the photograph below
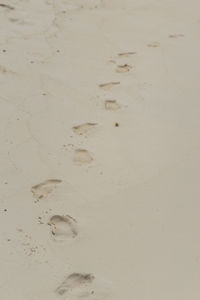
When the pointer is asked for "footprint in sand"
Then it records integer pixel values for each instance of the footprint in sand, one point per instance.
(76, 284)
(7, 6)
(126, 54)
(123, 68)
(2, 69)
(153, 45)
(42, 190)
(175, 36)
(82, 157)
(83, 286)
(111, 105)
(63, 227)
(108, 85)
(83, 128)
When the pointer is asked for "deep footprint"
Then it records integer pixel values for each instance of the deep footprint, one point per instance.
(82, 156)
(111, 105)
(75, 281)
(123, 68)
(63, 227)
(42, 190)
(108, 85)
(83, 128)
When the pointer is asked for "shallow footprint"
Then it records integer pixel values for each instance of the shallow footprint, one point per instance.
(82, 156)
(111, 105)
(83, 128)
(123, 68)
(126, 54)
(43, 189)
(75, 281)
(63, 227)
(153, 45)
(108, 85)
(175, 36)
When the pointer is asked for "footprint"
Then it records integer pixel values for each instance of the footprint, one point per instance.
(63, 227)
(175, 36)
(4, 70)
(75, 282)
(153, 45)
(123, 68)
(83, 128)
(108, 85)
(82, 156)
(42, 190)
(6, 6)
(112, 61)
(111, 105)
(126, 54)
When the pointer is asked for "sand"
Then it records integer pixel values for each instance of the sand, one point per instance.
(100, 142)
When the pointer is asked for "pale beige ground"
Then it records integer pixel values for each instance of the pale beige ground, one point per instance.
(100, 149)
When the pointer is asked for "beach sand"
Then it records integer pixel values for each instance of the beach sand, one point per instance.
(100, 141)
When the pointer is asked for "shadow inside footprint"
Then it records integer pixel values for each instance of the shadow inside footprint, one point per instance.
(126, 54)
(111, 105)
(63, 227)
(123, 68)
(43, 189)
(83, 128)
(175, 36)
(108, 85)
(7, 6)
(75, 281)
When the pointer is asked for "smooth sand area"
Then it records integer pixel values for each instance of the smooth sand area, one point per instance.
(99, 149)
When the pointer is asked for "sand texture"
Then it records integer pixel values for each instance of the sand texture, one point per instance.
(100, 149)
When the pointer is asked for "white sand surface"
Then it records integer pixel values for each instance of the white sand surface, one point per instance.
(99, 149)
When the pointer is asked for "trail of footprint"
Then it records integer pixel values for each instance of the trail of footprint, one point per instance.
(111, 105)
(108, 85)
(175, 36)
(126, 54)
(83, 128)
(123, 68)
(63, 227)
(77, 282)
(42, 190)
(82, 156)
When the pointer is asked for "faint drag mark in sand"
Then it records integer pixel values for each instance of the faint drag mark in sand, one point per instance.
(63, 227)
(76, 283)
(7, 6)
(153, 45)
(175, 36)
(123, 68)
(42, 190)
(126, 54)
(82, 157)
(83, 128)
(108, 85)
(111, 105)
(112, 61)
